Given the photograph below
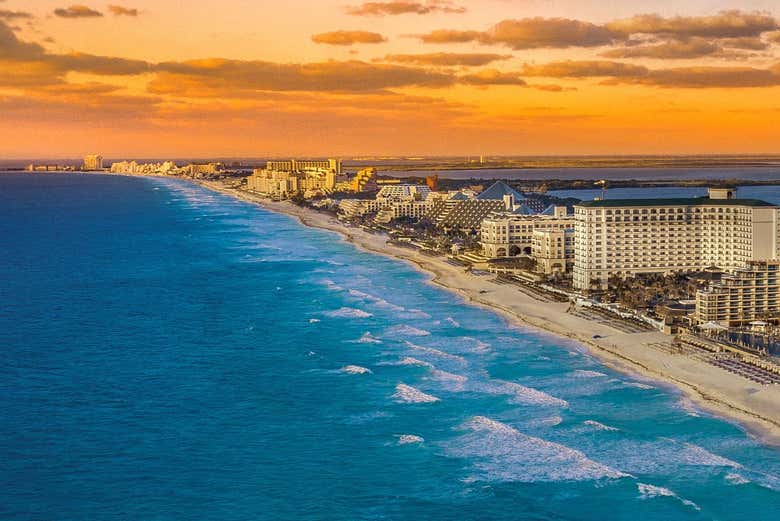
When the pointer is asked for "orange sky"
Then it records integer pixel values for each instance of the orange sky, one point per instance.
(189, 78)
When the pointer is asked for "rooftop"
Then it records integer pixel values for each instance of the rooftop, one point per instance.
(691, 201)
(498, 190)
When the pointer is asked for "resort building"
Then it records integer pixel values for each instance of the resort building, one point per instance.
(132, 167)
(92, 162)
(392, 202)
(464, 210)
(283, 179)
(748, 294)
(553, 250)
(364, 181)
(509, 234)
(629, 237)
(196, 170)
(296, 165)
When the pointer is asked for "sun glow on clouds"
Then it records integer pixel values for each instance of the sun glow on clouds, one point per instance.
(427, 77)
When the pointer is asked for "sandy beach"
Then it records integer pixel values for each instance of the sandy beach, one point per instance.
(715, 390)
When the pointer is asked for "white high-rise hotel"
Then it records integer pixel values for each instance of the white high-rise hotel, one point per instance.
(631, 237)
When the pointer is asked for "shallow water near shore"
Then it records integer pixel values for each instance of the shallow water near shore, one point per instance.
(172, 353)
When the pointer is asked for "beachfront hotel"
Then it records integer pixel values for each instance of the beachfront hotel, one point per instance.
(511, 233)
(92, 162)
(630, 237)
(283, 179)
(553, 250)
(748, 294)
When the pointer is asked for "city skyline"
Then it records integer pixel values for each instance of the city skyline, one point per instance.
(499, 77)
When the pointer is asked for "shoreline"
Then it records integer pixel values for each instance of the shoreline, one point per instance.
(716, 391)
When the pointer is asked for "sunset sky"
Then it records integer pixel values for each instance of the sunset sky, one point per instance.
(201, 78)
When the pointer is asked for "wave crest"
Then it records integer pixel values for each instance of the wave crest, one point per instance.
(408, 394)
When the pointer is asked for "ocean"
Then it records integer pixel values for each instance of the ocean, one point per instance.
(168, 353)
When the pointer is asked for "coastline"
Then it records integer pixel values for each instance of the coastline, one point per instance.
(714, 390)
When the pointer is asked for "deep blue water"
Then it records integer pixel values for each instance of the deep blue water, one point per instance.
(167, 353)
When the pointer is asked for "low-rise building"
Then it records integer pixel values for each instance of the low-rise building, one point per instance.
(748, 294)
(509, 234)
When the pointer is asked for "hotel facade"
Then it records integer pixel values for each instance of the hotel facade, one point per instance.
(748, 294)
(631, 237)
(509, 235)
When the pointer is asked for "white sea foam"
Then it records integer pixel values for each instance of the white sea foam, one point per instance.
(523, 394)
(450, 381)
(647, 491)
(415, 313)
(332, 285)
(581, 373)
(638, 385)
(408, 394)
(408, 360)
(689, 407)
(477, 345)
(407, 330)
(551, 421)
(453, 322)
(313, 320)
(407, 439)
(437, 353)
(695, 455)
(377, 301)
(368, 338)
(502, 453)
(355, 369)
(599, 426)
(348, 313)
(736, 479)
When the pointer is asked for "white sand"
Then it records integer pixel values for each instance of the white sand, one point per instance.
(716, 390)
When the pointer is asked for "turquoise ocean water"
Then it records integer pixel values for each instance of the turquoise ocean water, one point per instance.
(167, 353)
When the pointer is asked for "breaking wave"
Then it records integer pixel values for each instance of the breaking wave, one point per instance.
(581, 373)
(523, 394)
(348, 313)
(406, 439)
(437, 353)
(408, 394)
(502, 453)
(407, 330)
(355, 369)
(368, 338)
(599, 426)
(651, 491)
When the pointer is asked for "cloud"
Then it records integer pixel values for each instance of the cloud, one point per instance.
(693, 48)
(708, 77)
(118, 10)
(492, 77)
(34, 57)
(14, 15)
(103, 65)
(531, 33)
(448, 59)
(77, 11)
(14, 49)
(399, 8)
(774, 37)
(725, 24)
(348, 37)
(353, 76)
(585, 69)
(746, 42)
(450, 36)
